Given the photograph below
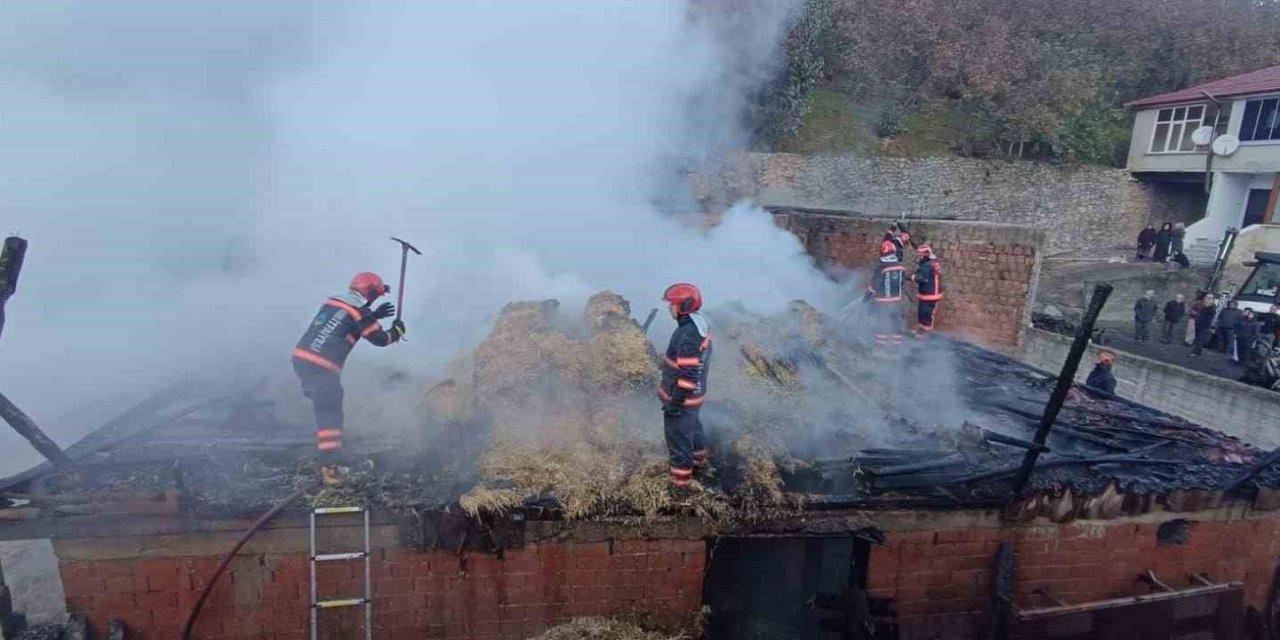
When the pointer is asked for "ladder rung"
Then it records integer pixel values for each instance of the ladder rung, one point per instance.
(326, 510)
(326, 557)
(351, 602)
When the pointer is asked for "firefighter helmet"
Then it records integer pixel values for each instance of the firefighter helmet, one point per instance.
(369, 285)
(686, 298)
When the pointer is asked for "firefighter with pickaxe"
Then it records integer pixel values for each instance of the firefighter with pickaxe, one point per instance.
(319, 356)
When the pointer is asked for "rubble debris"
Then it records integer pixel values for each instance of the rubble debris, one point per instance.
(554, 414)
(604, 629)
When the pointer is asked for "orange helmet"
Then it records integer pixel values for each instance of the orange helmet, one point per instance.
(369, 285)
(684, 296)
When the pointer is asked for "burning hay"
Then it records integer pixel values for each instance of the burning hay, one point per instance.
(574, 420)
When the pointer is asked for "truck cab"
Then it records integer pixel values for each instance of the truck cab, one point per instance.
(1261, 287)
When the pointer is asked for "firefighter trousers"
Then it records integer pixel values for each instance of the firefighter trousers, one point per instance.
(924, 314)
(324, 388)
(686, 443)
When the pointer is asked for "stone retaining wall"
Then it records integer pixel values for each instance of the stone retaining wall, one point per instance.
(989, 270)
(1080, 208)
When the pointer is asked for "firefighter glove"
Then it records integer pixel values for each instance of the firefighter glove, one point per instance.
(397, 329)
(384, 310)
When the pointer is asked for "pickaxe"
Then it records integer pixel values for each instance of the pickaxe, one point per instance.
(405, 248)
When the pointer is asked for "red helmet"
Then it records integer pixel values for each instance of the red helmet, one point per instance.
(887, 248)
(369, 285)
(686, 297)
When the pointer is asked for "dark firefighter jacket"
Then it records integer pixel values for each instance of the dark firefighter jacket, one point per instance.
(928, 281)
(886, 284)
(336, 329)
(685, 364)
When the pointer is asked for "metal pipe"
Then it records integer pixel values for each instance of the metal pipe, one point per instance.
(1208, 163)
(1066, 379)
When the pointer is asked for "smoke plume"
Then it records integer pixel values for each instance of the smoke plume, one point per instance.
(196, 177)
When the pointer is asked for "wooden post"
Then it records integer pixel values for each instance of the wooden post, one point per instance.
(11, 256)
(1066, 378)
(28, 429)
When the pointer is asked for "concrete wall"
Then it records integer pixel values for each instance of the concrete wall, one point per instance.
(989, 270)
(1249, 413)
(1080, 208)
(1227, 203)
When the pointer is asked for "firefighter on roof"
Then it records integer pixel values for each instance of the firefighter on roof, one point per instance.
(684, 383)
(320, 355)
(898, 235)
(885, 294)
(928, 279)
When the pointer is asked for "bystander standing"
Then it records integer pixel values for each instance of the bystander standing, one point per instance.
(1174, 311)
(1228, 322)
(1201, 319)
(1164, 238)
(1146, 240)
(1144, 311)
(1246, 335)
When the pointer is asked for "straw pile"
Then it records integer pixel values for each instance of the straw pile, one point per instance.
(603, 629)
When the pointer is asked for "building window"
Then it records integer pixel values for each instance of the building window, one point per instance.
(1261, 120)
(1174, 127)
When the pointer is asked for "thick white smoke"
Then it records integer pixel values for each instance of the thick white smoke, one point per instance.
(196, 177)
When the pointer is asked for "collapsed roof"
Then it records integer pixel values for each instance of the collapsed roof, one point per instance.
(554, 413)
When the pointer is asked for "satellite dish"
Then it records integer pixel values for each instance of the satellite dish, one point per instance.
(1202, 136)
(1226, 144)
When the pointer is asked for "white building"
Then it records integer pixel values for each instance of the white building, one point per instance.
(1244, 112)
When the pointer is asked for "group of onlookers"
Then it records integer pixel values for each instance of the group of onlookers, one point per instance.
(1210, 322)
(1165, 245)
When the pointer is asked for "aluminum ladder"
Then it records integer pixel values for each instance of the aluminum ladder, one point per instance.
(367, 601)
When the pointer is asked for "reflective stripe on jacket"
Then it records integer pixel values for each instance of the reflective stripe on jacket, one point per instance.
(341, 322)
(686, 362)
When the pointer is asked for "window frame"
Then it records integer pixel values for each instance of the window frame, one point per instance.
(1204, 111)
(1244, 107)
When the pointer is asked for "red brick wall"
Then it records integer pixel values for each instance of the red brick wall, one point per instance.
(989, 270)
(941, 580)
(416, 595)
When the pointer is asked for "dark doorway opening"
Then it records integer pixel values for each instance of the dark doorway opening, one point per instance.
(1255, 209)
(793, 588)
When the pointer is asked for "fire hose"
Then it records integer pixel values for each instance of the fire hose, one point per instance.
(226, 560)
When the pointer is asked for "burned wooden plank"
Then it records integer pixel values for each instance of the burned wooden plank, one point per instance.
(998, 438)
(1109, 459)
(27, 428)
(915, 467)
(1091, 439)
(1261, 466)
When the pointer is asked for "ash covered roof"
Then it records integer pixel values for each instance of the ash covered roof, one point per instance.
(883, 435)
